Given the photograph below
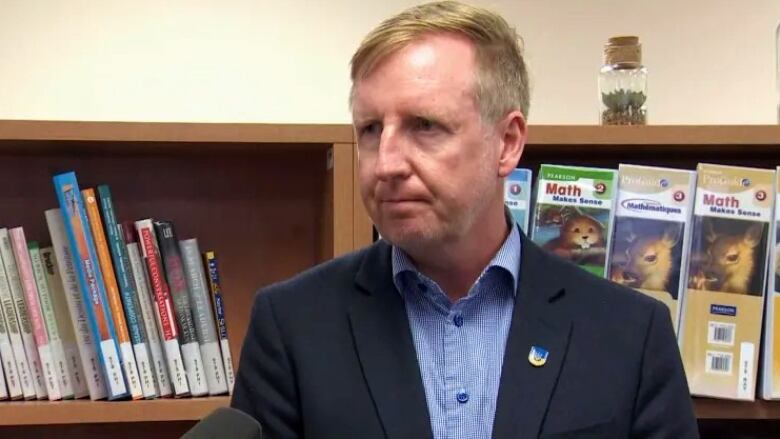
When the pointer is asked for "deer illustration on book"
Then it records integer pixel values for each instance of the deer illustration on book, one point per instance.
(648, 255)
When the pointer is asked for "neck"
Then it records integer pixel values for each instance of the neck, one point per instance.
(455, 266)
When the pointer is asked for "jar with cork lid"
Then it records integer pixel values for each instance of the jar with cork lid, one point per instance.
(623, 83)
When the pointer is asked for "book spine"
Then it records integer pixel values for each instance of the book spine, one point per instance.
(163, 307)
(24, 265)
(88, 361)
(8, 328)
(127, 289)
(129, 365)
(15, 310)
(205, 327)
(50, 322)
(143, 290)
(3, 388)
(174, 272)
(215, 288)
(73, 366)
(91, 282)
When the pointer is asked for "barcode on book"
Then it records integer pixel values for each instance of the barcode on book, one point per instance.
(719, 362)
(721, 333)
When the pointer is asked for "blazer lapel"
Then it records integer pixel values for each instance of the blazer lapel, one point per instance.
(525, 390)
(385, 348)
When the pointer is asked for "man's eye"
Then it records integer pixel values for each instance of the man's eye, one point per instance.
(423, 124)
(369, 129)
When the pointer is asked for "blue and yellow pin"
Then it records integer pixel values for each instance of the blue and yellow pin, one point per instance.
(538, 356)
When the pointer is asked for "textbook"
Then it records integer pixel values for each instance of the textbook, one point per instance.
(770, 380)
(517, 196)
(574, 213)
(17, 372)
(652, 231)
(720, 329)
(212, 264)
(90, 280)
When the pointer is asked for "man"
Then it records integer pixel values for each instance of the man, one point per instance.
(455, 325)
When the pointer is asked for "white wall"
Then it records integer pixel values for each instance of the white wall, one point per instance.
(710, 61)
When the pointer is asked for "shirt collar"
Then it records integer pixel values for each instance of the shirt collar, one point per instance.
(507, 258)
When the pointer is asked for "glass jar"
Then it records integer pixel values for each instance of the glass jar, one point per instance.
(623, 83)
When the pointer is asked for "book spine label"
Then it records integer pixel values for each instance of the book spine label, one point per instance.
(149, 318)
(50, 387)
(219, 311)
(9, 327)
(87, 360)
(73, 367)
(90, 280)
(23, 343)
(517, 196)
(163, 306)
(205, 327)
(50, 320)
(127, 289)
(129, 367)
(174, 272)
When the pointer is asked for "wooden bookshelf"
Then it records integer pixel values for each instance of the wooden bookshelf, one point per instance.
(273, 200)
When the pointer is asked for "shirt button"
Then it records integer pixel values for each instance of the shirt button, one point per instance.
(458, 320)
(463, 397)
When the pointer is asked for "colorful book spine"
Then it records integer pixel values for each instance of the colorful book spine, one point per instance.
(91, 282)
(145, 298)
(88, 359)
(127, 356)
(517, 196)
(129, 295)
(24, 265)
(720, 331)
(73, 366)
(770, 383)
(574, 214)
(15, 310)
(9, 328)
(163, 306)
(174, 272)
(215, 288)
(652, 232)
(205, 327)
(50, 322)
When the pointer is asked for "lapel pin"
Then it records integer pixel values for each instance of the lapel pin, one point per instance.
(538, 356)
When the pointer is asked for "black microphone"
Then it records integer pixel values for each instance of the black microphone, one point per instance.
(226, 422)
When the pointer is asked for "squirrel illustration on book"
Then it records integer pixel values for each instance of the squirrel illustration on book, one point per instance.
(580, 240)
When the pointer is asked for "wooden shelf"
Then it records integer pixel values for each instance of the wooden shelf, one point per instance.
(91, 412)
(708, 408)
(670, 135)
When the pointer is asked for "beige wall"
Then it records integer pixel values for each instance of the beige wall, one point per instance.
(710, 61)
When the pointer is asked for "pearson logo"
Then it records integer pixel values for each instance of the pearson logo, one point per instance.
(723, 310)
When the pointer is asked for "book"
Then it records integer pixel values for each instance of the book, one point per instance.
(574, 212)
(517, 196)
(770, 376)
(652, 231)
(88, 359)
(127, 289)
(720, 329)
(9, 328)
(90, 279)
(24, 265)
(163, 306)
(212, 264)
(174, 272)
(205, 326)
(51, 324)
(126, 354)
(145, 299)
(19, 330)
(73, 366)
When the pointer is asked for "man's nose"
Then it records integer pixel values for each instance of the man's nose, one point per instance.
(392, 160)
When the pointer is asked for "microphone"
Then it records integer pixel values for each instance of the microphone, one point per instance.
(226, 422)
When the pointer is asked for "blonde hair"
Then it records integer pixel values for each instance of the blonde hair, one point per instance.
(501, 82)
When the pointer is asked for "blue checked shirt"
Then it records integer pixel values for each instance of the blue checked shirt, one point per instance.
(460, 346)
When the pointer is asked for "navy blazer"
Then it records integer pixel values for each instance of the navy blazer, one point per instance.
(329, 354)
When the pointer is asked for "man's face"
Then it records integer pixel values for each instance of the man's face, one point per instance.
(428, 165)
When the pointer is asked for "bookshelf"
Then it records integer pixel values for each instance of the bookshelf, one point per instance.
(273, 200)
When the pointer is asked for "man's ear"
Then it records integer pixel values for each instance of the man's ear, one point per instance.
(512, 132)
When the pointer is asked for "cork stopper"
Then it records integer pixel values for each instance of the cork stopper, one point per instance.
(623, 51)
